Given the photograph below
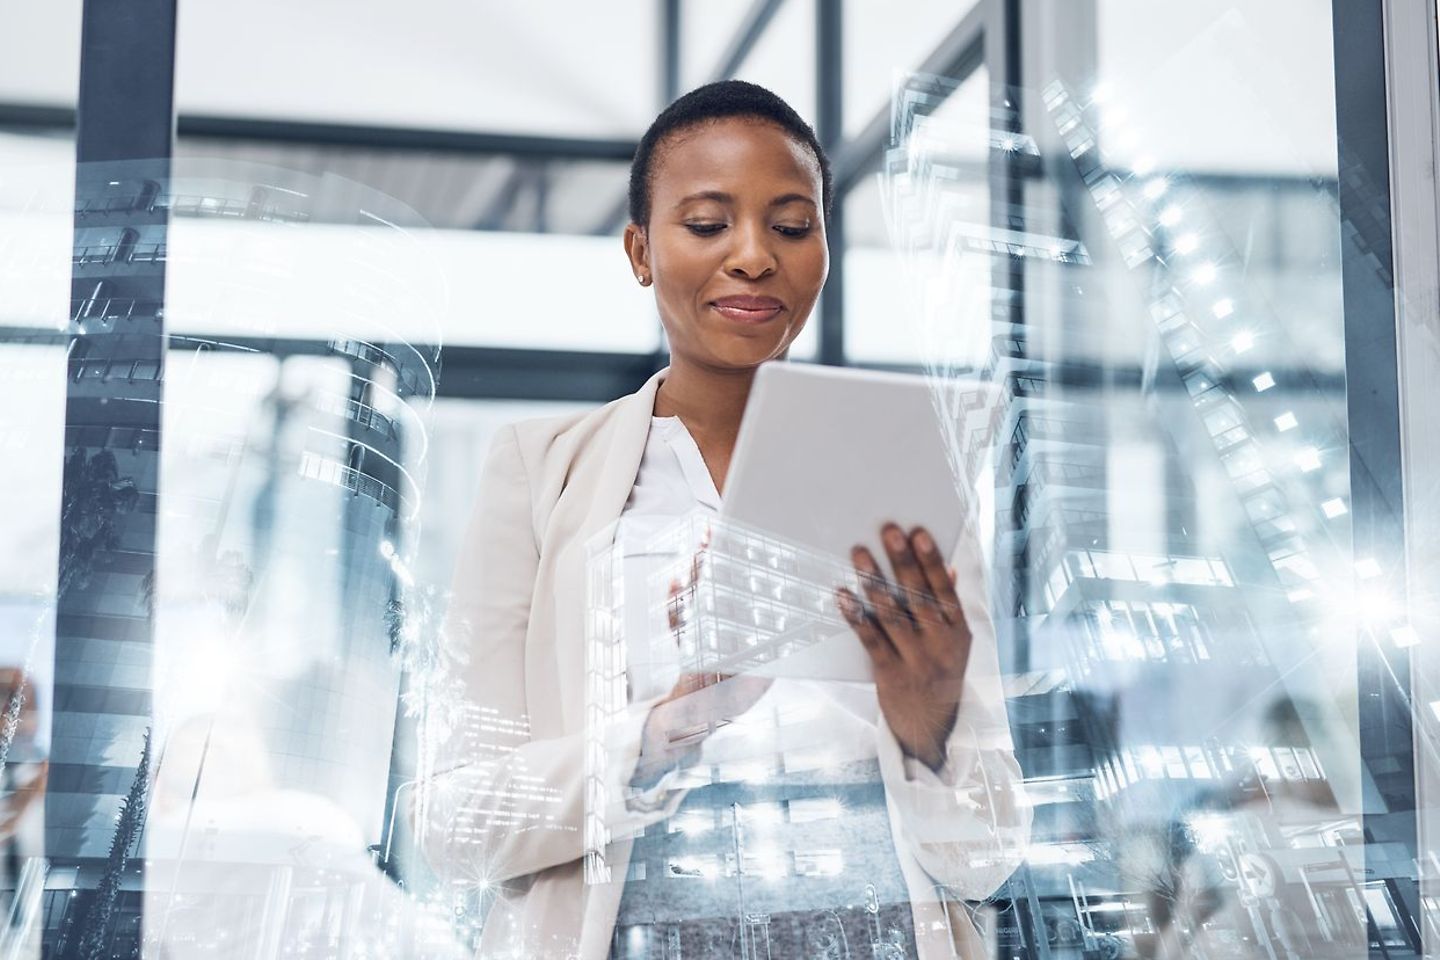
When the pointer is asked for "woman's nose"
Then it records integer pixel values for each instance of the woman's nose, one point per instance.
(751, 255)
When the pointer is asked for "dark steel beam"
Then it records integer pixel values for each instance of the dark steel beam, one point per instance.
(491, 373)
(365, 136)
(124, 133)
(830, 128)
(36, 116)
(1377, 508)
(670, 34)
(405, 138)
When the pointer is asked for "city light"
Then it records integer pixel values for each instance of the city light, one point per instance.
(1186, 243)
(1263, 382)
(1242, 341)
(1334, 507)
(1171, 215)
(1308, 459)
(1204, 274)
(1286, 421)
(1223, 308)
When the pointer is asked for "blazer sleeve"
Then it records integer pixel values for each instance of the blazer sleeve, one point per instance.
(967, 826)
(498, 803)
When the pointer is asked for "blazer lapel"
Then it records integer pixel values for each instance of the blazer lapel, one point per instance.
(616, 462)
(607, 464)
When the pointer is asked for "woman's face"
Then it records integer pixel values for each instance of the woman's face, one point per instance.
(736, 241)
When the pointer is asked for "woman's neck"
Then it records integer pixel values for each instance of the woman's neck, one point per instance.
(710, 402)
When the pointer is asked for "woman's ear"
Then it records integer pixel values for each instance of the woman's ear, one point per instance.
(637, 248)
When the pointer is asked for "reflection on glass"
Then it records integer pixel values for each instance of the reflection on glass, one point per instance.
(1171, 495)
(1141, 254)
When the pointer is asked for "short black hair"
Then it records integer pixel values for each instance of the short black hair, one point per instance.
(718, 101)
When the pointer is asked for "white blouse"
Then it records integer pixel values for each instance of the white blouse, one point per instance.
(672, 483)
(968, 823)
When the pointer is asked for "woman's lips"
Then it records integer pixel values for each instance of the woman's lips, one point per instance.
(748, 309)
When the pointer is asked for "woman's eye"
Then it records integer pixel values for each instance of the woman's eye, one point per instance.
(793, 231)
(705, 229)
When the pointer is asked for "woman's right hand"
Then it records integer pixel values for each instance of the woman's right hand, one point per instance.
(698, 704)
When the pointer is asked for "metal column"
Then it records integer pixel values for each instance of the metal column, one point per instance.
(1368, 269)
(106, 577)
(830, 127)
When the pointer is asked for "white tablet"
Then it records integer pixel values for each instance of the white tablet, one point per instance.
(827, 455)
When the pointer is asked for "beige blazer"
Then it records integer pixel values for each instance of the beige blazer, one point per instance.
(504, 804)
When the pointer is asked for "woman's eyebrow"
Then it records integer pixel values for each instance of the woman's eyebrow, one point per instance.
(783, 199)
(720, 196)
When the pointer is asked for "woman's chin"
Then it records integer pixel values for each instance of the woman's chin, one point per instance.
(748, 355)
(748, 350)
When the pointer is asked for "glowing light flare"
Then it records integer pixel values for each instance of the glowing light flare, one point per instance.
(1370, 606)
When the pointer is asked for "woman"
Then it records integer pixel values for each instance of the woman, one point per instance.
(729, 194)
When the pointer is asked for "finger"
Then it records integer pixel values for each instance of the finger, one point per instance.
(908, 573)
(885, 608)
(872, 581)
(867, 628)
(939, 579)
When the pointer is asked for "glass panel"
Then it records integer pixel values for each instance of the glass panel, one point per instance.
(1148, 746)
(1162, 295)
(707, 29)
(45, 757)
(41, 52)
(885, 40)
(784, 58)
(890, 303)
(277, 253)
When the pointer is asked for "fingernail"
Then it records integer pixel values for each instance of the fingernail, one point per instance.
(895, 538)
(923, 541)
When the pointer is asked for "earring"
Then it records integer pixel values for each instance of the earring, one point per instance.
(644, 280)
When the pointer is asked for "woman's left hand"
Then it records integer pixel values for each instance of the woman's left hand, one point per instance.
(917, 639)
